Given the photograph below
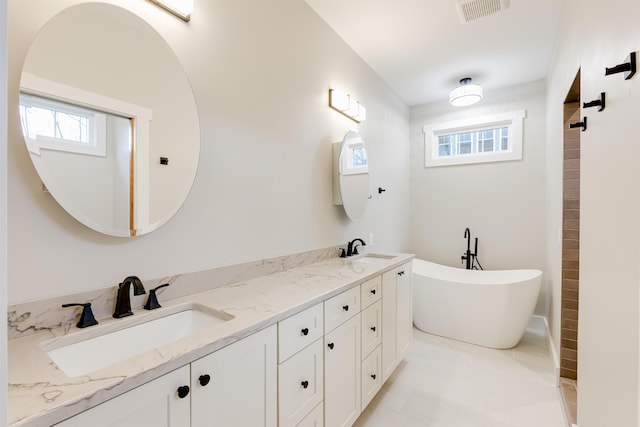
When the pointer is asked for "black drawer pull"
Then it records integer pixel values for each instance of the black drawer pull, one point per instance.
(183, 391)
(330, 345)
(204, 379)
(304, 384)
(345, 307)
(373, 291)
(305, 331)
(373, 328)
(373, 376)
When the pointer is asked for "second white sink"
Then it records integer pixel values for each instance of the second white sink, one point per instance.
(88, 355)
(373, 257)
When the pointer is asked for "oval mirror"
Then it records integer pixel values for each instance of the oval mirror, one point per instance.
(109, 119)
(353, 175)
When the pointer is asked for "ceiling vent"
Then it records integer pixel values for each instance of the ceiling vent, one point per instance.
(470, 10)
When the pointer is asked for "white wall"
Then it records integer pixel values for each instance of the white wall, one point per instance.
(594, 35)
(3, 205)
(260, 72)
(502, 202)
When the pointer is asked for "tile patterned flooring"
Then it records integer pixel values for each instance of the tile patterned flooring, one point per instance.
(447, 383)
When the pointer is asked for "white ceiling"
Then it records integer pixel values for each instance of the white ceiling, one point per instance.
(422, 49)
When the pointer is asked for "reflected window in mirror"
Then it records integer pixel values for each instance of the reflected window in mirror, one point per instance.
(57, 125)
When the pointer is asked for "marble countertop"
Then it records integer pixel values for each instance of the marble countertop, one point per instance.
(40, 394)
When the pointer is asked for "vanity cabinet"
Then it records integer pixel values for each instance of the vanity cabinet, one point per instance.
(234, 386)
(319, 367)
(155, 403)
(397, 317)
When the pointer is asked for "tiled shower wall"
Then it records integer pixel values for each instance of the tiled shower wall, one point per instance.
(570, 244)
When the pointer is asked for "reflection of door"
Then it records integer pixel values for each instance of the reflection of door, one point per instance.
(609, 242)
(119, 144)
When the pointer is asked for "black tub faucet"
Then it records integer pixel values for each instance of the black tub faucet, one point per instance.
(469, 257)
(352, 248)
(123, 301)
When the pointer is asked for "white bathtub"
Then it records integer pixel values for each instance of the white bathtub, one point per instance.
(488, 308)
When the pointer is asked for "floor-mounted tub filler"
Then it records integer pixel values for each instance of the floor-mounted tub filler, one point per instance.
(487, 308)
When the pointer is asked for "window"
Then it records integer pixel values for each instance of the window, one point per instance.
(57, 125)
(476, 140)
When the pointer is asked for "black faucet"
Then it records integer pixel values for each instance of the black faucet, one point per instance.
(123, 301)
(469, 257)
(352, 248)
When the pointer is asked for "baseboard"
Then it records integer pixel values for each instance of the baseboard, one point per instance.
(555, 358)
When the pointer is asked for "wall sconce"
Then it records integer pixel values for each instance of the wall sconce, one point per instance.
(180, 8)
(465, 94)
(345, 104)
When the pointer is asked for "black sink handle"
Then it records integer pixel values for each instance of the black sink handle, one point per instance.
(86, 318)
(152, 301)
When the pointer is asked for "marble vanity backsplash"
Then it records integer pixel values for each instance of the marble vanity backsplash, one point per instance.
(30, 317)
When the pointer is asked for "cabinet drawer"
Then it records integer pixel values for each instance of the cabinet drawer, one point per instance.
(371, 328)
(300, 384)
(315, 418)
(371, 291)
(341, 308)
(298, 331)
(371, 376)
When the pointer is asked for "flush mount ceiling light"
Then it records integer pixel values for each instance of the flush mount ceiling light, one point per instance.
(181, 8)
(465, 94)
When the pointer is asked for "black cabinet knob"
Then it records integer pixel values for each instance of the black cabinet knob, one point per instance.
(304, 384)
(183, 391)
(373, 291)
(305, 331)
(345, 307)
(204, 379)
(373, 376)
(400, 273)
(373, 328)
(330, 345)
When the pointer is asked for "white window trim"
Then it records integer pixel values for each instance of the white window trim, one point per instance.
(34, 85)
(97, 146)
(512, 120)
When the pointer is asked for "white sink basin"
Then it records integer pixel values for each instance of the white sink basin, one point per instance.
(372, 258)
(89, 354)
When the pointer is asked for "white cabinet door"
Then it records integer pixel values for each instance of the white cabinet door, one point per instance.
(155, 403)
(389, 323)
(404, 296)
(342, 371)
(242, 384)
(397, 317)
(300, 384)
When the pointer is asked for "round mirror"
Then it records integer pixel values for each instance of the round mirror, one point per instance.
(353, 175)
(109, 119)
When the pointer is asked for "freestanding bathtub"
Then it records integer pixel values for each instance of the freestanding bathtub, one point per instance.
(488, 308)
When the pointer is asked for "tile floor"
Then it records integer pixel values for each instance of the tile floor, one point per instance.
(446, 383)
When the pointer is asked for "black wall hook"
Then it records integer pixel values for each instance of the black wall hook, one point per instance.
(628, 68)
(596, 103)
(582, 124)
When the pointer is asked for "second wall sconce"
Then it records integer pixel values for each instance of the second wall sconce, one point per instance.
(180, 8)
(345, 104)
